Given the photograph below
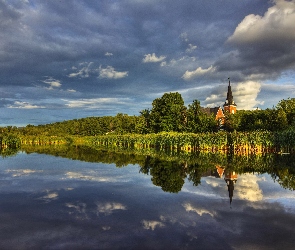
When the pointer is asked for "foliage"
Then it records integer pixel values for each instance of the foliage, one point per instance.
(168, 175)
(168, 113)
(10, 141)
(288, 107)
(269, 119)
(197, 120)
(169, 169)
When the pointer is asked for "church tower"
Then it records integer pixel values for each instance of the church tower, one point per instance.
(229, 105)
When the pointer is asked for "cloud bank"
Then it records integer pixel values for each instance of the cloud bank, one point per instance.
(79, 50)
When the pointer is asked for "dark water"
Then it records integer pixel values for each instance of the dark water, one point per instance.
(49, 202)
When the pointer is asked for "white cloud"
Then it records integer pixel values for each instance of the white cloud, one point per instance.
(110, 73)
(53, 83)
(84, 72)
(184, 36)
(151, 225)
(245, 94)
(214, 100)
(189, 75)
(95, 102)
(108, 54)
(179, 63)
(152, 58)
(24, 105)
(277, 24)
(109, 207)
(21, 172)
(191, 48)
(71, 90)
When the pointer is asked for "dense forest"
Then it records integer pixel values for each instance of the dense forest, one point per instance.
(169, 114)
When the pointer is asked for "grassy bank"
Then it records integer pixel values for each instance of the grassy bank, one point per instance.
(236, 142)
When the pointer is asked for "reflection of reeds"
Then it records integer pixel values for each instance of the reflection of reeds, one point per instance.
(10, 141)
(194, 164)
(43, 140)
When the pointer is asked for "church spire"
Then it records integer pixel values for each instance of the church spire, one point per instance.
(229, 104)
(229, 97)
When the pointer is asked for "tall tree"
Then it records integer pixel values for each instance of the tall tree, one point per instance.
(288, 106)
(197, 120)
(168, 113)
(143, 125)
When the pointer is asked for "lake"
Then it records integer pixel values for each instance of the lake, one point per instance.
(89, 199)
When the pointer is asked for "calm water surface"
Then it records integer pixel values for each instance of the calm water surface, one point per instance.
(49, 202)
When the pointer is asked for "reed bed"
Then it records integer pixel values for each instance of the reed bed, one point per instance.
(236, 142)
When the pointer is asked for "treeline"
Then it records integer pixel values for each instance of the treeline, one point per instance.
(168, 114)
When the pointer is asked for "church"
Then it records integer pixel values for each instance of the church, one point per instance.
(229, 107)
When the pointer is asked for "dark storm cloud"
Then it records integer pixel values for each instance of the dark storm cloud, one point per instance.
(44, 35)
(265, 44)
(139, 49)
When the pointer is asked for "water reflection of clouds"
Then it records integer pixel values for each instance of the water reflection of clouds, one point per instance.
(247, 188)
(82, 211)
(89, 177)
(78, 210)
(22, 172)
(49, 196)
(94, 211)
(108, 207)
(151, 225)
(200, 211)
(212, 181)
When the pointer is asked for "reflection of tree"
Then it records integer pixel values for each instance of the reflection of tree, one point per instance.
(8, 152)
(283, 170)
(285, 177)
(168, 175)
(168, 171)
(195, 172)
(83, 153)
(145, 168)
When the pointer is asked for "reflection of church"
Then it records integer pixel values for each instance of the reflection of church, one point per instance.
(230, 178)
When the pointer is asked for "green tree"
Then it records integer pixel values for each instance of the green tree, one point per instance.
(143, 126)
(168, 113)
(288, 106)
(197, 120)
(232, 122)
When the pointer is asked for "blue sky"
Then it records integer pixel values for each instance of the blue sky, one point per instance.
(63, 60)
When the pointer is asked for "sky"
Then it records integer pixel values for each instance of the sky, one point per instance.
(69, 59)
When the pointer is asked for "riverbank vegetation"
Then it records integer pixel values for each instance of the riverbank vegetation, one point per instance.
(170, 125)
